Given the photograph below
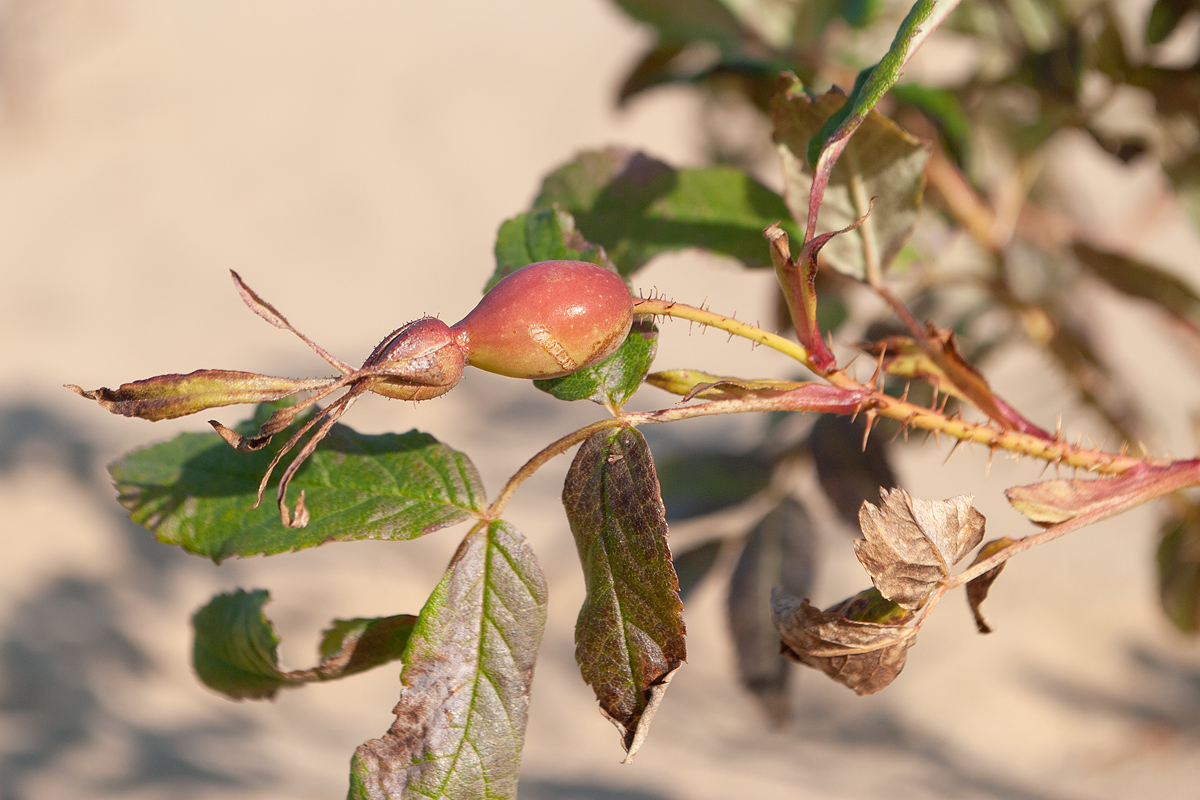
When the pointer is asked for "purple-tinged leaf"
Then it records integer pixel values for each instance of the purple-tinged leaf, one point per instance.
(790, 395)
(861, 643)
(977, 588)
(1051, 502)
(468, 669)
(235, 647)
(910, 544)
(629, 638)
(171, 396)
(780, 551)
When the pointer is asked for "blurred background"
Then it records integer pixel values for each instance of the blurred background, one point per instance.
(353, 163)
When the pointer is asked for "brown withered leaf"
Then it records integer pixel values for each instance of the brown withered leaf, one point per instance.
(911, 544)
(788, 395)
(977, 588)
(1051, 502)
(861, 642)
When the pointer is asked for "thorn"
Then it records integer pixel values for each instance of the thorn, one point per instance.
(942, 407)
(987, 472)
(1058, 428)
(867, 433)
(1124, 448)
(1045, 466)
(957, 442)
(904, 396)
(879, 365)
(933, 405)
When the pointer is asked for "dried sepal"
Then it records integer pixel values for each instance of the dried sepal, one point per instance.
(172, 396)
(861, 643)
(910, 544)
(977, 588)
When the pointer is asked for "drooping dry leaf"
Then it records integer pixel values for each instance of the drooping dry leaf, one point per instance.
(786, 395)
(977, 589)
(911, 544)
(1055, 501)
(861, 642)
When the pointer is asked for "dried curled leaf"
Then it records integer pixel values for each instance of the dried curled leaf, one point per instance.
(911, 544)
(861, 642)
(977, 589)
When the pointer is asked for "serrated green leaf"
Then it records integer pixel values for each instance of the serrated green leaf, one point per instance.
(881, 171)
(615, 379)
(629, 638)
(196, 491)
(638, 207)
(235, 650)
(460, 720)
(547, 234)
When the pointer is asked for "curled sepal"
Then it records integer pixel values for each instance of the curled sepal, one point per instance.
(861, 642)
(464, 697)
(629, 638)
(172, 396)
(235, 650)
(798, 280)
(910, 544)
(977, 588)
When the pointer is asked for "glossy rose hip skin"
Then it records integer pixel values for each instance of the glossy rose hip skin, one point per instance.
(546, 320)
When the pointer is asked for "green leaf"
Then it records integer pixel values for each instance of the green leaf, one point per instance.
(1179, 571)
(880, 172)
(616, 378)
(695, 483)
(235, 647)
(943, 107)
(687, 20)
(548, 234)
(1185, 177)
(780, 551)
(1138, 279)
(196, 491)
(460, 720)
(638, 207)
(629, 638)
(1165, 16)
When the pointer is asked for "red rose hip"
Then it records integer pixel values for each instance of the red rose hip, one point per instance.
(548, 319)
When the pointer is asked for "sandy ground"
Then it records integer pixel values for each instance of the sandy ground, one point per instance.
(354, 165)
